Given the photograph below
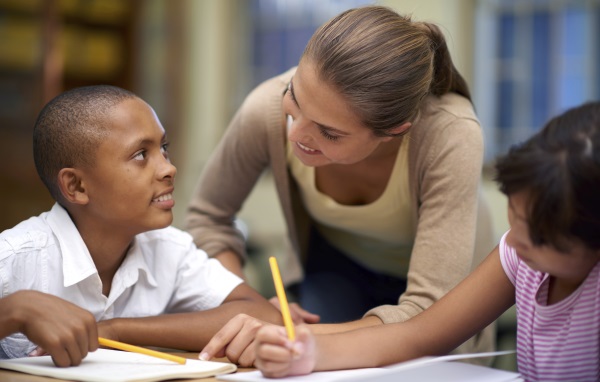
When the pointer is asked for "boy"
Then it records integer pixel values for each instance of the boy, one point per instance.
(106, 245)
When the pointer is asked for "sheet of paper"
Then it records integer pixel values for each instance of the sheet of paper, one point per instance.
(320, 376)
(443, 371)
(450, 357)
(106, 365)
(423, 369)
(433, 372)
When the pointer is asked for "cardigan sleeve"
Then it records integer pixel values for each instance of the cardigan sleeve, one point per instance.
(230, 175)
(446, 177)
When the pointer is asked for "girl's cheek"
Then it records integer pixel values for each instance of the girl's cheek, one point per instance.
(511, 239)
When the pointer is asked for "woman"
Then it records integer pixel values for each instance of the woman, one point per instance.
(376, 154)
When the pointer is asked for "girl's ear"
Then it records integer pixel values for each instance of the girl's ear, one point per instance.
(70, 182)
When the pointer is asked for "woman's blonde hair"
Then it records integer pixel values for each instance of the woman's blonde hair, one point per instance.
(384, 64)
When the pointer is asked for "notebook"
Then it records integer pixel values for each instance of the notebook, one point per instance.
(425, 369)
(106, 365)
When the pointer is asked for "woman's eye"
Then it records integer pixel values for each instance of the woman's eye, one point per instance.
(331, 137)
(290, 93)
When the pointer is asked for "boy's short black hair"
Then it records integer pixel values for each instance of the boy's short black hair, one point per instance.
(559, 168)
(70, 128)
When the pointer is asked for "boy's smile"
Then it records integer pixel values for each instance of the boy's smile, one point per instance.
(130, 187)
(164, 201)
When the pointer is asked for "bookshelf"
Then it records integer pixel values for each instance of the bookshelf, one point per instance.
(49, 46)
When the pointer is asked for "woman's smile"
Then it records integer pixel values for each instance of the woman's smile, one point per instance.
(307, 149)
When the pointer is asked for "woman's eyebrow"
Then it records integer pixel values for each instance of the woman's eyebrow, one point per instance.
(324, 127)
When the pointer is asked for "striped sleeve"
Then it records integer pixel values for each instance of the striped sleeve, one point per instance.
(509, 259)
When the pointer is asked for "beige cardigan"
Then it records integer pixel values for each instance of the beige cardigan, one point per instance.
(445, 161)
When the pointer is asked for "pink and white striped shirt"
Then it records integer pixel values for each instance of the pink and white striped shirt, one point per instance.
(558, 342)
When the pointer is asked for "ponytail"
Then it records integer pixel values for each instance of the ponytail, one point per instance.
(384, 64)
(445, 76)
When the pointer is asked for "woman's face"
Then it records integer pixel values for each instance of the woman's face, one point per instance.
(324, 129)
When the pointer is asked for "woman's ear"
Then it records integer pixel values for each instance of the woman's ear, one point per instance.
(403, 128)
(399, 130)
(71, 186)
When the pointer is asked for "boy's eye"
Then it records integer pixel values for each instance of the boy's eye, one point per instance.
(140, 156)
(164, 149)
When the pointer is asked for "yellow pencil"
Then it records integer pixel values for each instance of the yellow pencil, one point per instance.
(136, 349)
(285, 309)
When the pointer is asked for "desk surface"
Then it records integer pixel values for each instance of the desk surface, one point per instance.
(15, 376)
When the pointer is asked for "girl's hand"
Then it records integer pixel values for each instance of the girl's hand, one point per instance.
(277, 356)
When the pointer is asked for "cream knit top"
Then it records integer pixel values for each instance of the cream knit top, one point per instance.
(378, 235)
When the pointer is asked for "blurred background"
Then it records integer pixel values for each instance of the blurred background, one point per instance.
(194, 61)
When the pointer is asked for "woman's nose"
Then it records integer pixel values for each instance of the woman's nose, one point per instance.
(297, 129)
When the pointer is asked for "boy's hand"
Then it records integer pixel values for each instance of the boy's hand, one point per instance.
(59, 328)
(108, 329)
(277, 356)
(299, 315)
(235, 341)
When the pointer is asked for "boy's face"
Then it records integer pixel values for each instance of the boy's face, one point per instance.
(572, 267)
(130, 186)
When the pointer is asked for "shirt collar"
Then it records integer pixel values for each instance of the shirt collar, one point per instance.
(77, 260)
(134, 264)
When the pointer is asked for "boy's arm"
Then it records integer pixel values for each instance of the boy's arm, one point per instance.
(64, 330)
(471, 306)
(191, 331)
(232, 262)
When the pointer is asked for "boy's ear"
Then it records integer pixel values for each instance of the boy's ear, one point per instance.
(399, 129)
(71, 186)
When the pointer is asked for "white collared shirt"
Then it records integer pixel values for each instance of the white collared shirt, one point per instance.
(163, 272)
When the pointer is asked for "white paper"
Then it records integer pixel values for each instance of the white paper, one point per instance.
(105, 365)
(425, 369)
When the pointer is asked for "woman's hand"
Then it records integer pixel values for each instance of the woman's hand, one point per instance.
(277, 356)
(299, 315)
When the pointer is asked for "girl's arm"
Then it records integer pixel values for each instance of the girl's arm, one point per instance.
(464, 311)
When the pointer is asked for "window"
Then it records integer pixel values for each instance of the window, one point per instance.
(281, 29)
(533, 60)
